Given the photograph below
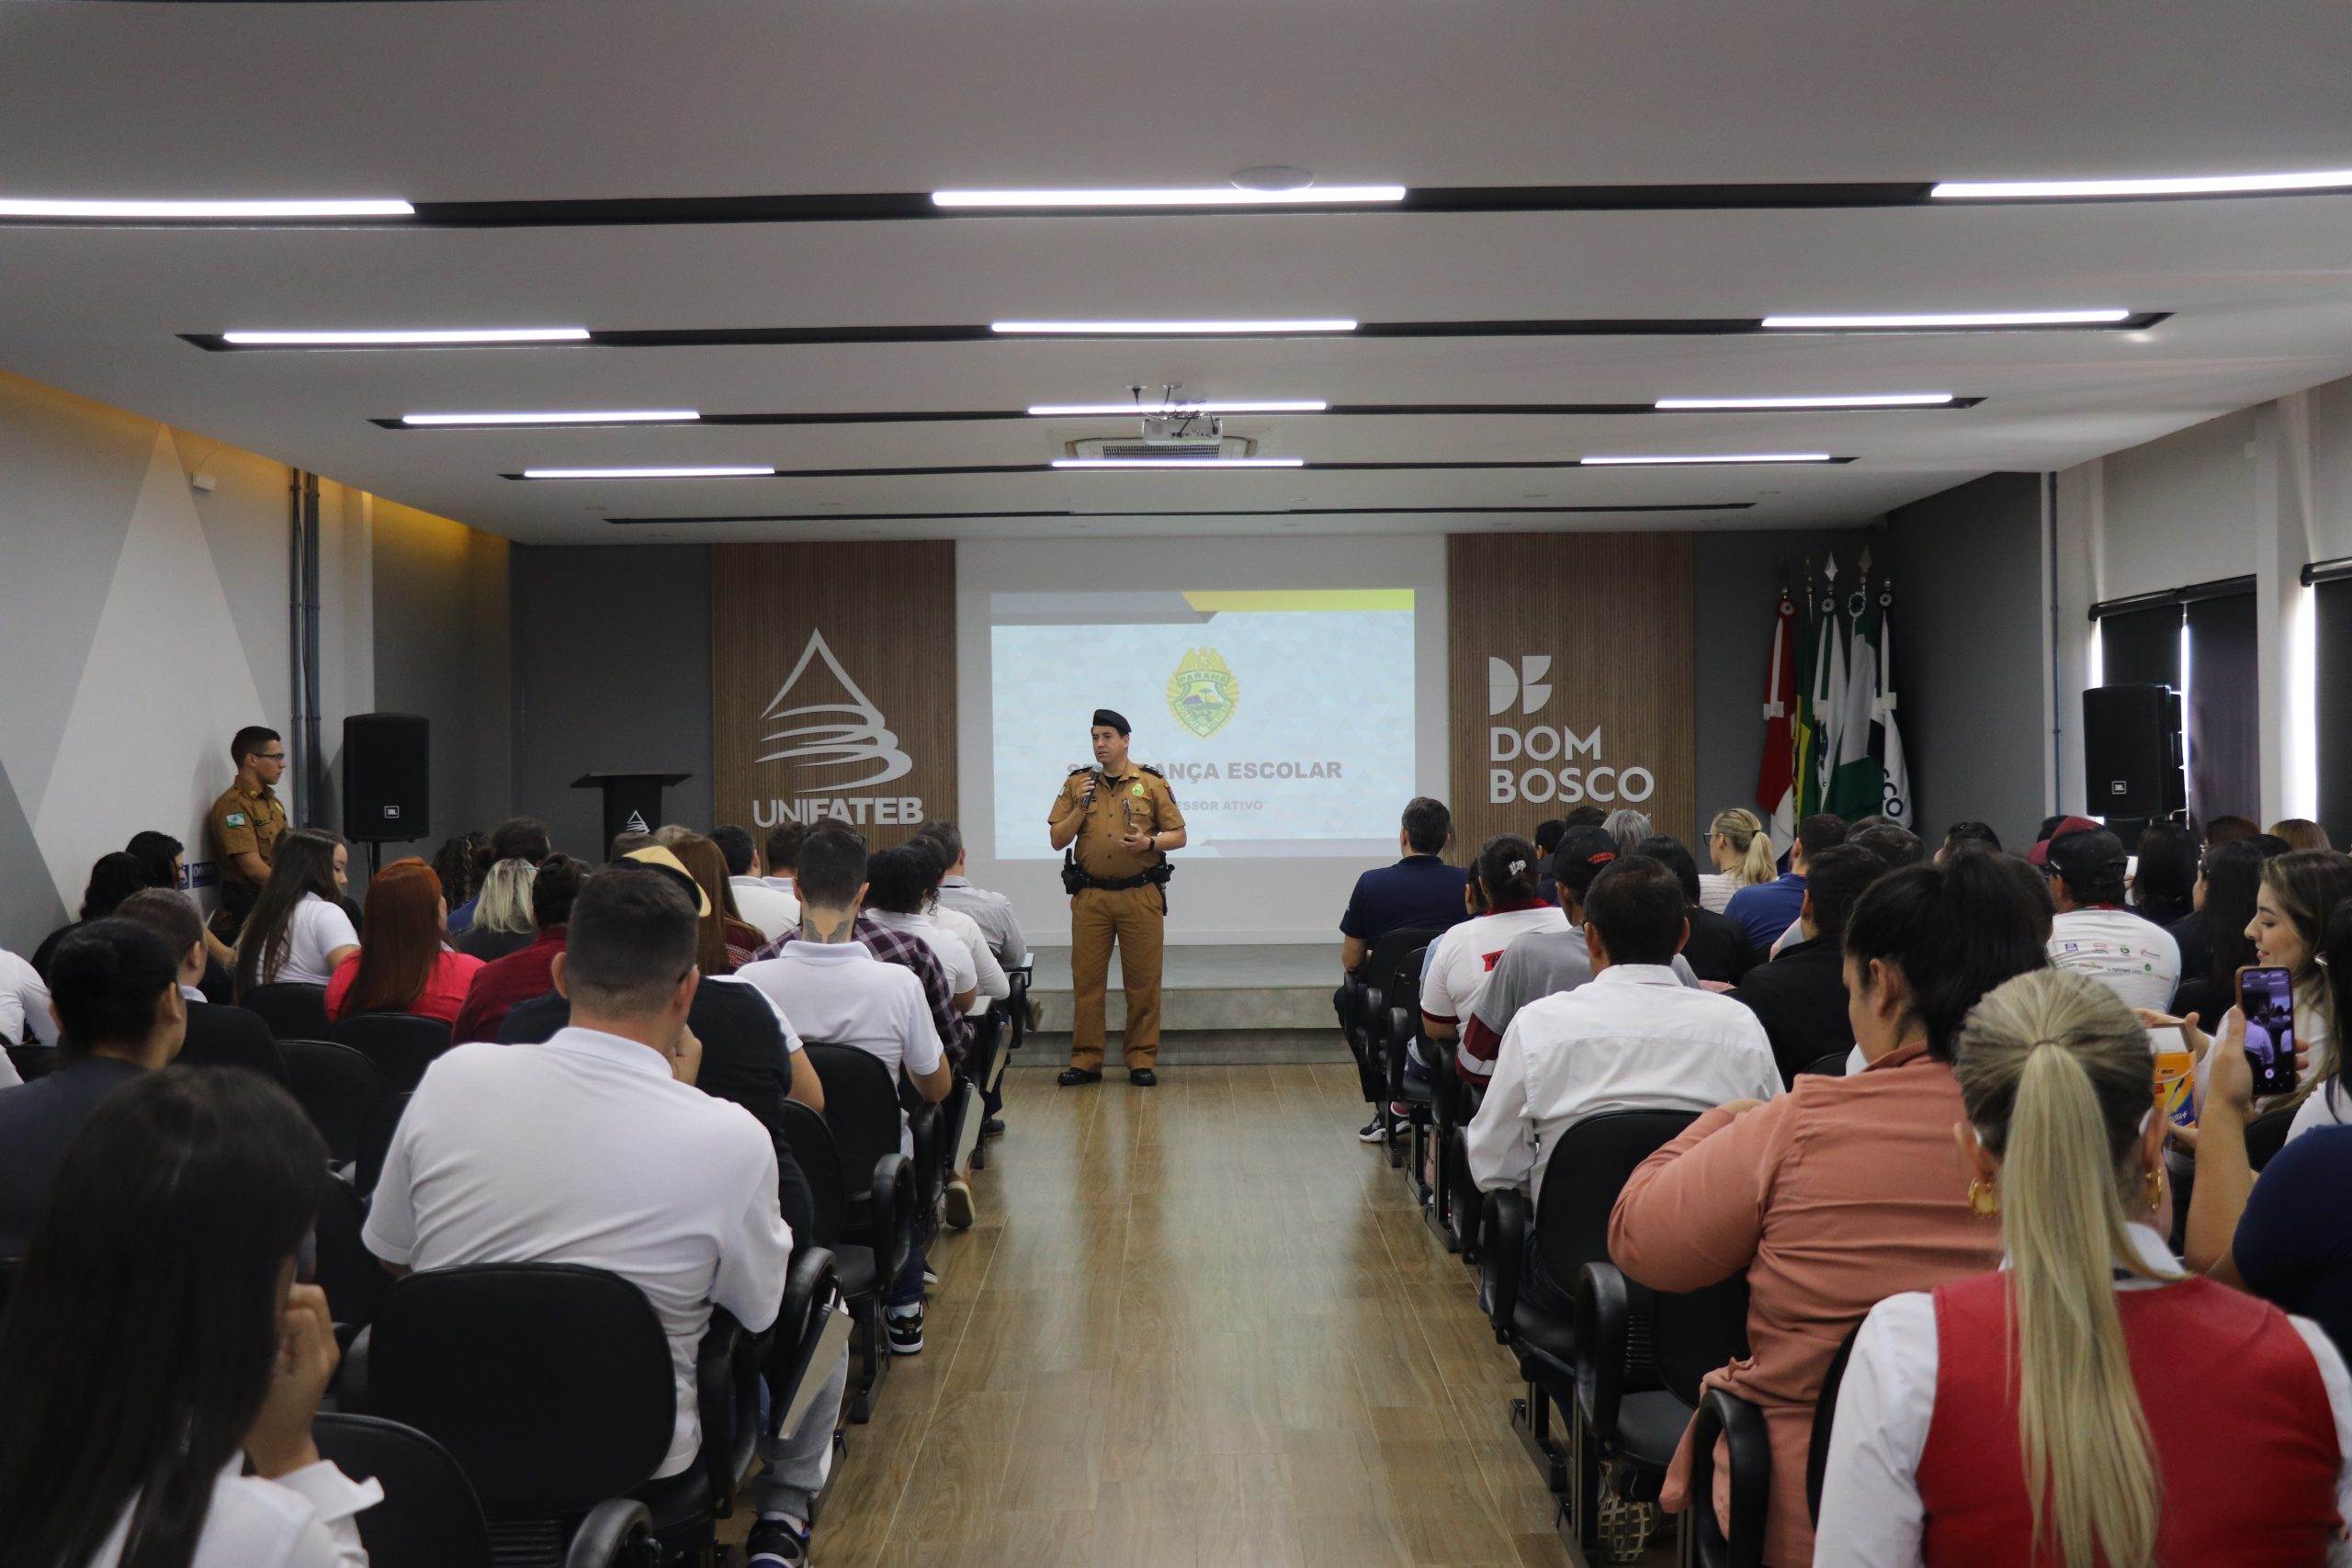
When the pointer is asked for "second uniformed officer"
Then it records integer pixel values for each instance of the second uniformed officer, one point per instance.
(1118, 821)
(245, 823)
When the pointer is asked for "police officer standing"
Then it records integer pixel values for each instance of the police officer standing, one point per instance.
(246, 822)
(1116, 820)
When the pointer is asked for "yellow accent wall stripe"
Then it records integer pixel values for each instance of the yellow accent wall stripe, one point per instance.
(1245, 600)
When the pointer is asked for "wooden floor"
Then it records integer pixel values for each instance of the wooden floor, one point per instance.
(1196, 1326)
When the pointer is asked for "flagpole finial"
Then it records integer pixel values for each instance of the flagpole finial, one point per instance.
(1863, 561)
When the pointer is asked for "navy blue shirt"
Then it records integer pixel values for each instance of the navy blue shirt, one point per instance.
(1417, 891)
(37, 1126)
(1768, 909)
(2294, 1244)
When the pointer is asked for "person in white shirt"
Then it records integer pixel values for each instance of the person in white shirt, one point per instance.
(160, 1338)
(2094, 934)
(772, 909)
(898, 882)
(837, 993)
(782, 855)
(596, 1148)
(2169, 1417)
(24, 1004)
(1634, 1038)
(991, 911)
(298, 933)
(1459, 961)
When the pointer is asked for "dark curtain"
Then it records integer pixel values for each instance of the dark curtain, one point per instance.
(2335, 694)
(2141, 648)
(2224, 732)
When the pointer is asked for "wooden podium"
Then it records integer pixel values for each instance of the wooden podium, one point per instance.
(632, 801)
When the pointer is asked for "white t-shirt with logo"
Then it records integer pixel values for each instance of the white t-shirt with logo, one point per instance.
(1461, 960)
(313, 930)
(2135, 958)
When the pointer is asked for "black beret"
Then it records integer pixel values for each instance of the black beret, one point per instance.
(1117, 721)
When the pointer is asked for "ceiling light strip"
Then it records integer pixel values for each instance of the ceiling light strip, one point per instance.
(1199, 195)
(1281, 326)
(730, 471)
(1113, 411)
(1671, 460)
(1180, 462)
(1946, 321)
(2156, 188)
(405, 338)
(1864, 400)
(81, 210)
(607, 416)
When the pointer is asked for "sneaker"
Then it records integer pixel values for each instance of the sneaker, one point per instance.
(959, 1204)
(929, 1277)
(906, 1333)
(1373, 1131)
(774, 1543)
(992, 1128)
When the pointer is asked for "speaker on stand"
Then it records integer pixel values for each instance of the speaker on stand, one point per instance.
(2133, 761)
(387, 780)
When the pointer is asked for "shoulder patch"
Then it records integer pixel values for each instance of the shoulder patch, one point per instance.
(235, 819)
(1155, 772)
(1081, 768)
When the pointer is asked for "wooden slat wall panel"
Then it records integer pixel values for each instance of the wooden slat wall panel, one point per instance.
(887, 611)
(1614, 612)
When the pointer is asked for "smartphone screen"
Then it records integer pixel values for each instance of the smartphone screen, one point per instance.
(2267, 999)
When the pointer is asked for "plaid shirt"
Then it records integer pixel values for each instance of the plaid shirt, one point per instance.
(906, 949)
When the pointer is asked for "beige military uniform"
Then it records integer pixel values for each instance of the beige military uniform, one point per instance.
(1137, 802)
(246, 821)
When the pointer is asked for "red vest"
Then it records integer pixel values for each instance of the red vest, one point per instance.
(2247, 1456)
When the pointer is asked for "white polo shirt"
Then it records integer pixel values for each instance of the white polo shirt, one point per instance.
(994, 985)
(24, 1003)
(839, 994)
(1461, 960)
(314, 929)
(586, 1150)
(962, 973)
(2135, 958)
(764, 904)
(1633, 1038)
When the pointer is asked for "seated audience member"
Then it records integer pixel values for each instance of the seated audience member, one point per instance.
(2087, 1402)
(1740, 850)
(2212, 938)
(501, 922)
(994, 985)
(1635, 1039)
(1421, 891)
(454, 864)
(1960, 833)
(1548, 844)
(829, 983)
(500, 984)
(166, 859)
(2164, 875)
(2285, 1240)
(159, 1345)
(402, 965)
(517, 838)
(1844, 1190)
(898, 886)
(1768, 908)
(1800, 997)
(1629, 827)
(782, 854)
(113, 878)
(626, 844)
(114, 987)
(1460, 961)
(298, 933)
(2053, 828)
(2094, 934)
(1583, 817)
(2299, 894)
(991, 911)
(25, 1018)
(507, 1157)
(728, 939)
(1718, 949)
(1546, 962)
(1896, 845)
(2230, 830)
(218, 1034)
(2301, 833)
(763, 907)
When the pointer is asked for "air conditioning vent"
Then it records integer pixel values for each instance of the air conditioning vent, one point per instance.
(1131, 446)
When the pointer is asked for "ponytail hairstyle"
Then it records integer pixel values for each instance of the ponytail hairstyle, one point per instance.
(1954, 931)
(302, 862)
(1748, 840)
(1507, 867)
(2053, 1073)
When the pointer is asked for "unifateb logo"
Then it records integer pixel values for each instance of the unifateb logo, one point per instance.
(1522, 681)
(823, 735)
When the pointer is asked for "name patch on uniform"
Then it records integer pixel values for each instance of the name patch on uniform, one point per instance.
(235, 819)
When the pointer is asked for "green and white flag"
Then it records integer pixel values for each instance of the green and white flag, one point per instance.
(1888, 737)
(1858, 781)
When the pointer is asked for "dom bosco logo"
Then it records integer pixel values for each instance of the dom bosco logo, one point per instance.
(1202, 694)
(820, 739)
(1522, 681)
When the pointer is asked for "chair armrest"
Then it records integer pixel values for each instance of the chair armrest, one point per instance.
(729, 1432)
(927, 1122)
(1603, 1311)
(1507, 1215)
(810, 1285)
(893, 1236)
(1748, 1453)
(351, 1376)
(611, 1528)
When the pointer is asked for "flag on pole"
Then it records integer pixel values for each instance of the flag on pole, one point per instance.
(1888, 736)
(1828, 700)
(1776, 774)
(1857, 780)
(1801, 738)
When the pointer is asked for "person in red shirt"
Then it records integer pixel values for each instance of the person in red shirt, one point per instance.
(404, 964)
(520, 976)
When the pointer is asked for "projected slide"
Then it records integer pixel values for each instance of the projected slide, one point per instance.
(1283, 720)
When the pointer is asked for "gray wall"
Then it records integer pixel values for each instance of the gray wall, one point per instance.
(1968, 620)
(1737, 583)
(611, 673)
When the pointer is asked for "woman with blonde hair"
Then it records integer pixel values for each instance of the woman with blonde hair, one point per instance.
(1742, 853)
(2089, 1406)
(501, 921)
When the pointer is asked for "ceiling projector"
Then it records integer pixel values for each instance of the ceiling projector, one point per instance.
(1182, 429)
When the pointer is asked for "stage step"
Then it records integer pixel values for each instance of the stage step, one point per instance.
(1226, 989)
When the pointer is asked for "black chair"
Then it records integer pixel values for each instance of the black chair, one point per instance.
(231, 1037)
(338, 1088)
(552, 1385)
(1829, 1063)
(1382, 978)
(2265, 1136)
(382, 1122)
(1634, 1400)
(867, 1263)
(1825, 1415)
(354, 1279)
(1586, 1171)
(865, 1101)
(430, 1516)
(811, 1295)
(9, 1268)
(1017, 1005)
(33, 1063)
(401, 1044)
(292, 1011)
(1399, 1030)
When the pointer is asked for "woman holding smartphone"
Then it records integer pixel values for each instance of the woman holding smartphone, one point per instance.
(2299, 894)
(158, 1338)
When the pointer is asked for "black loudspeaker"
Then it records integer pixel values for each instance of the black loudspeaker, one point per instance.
(387, 778)
(2132, 752)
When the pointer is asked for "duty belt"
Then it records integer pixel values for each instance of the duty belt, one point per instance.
(1075, 878)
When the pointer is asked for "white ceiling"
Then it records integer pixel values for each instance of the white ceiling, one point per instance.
(532, 100)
